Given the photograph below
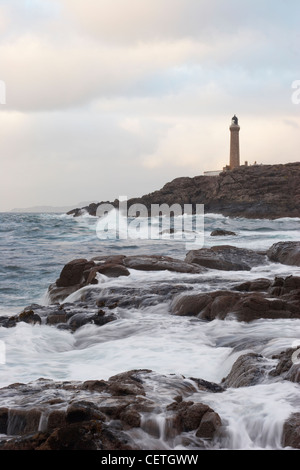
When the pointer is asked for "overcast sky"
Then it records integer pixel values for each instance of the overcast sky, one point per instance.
(117, 97)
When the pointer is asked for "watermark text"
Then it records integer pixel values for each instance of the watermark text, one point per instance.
(2, 92)
(161, 221)
(296, 94)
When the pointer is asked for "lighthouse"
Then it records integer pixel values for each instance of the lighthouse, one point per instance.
(234, 161)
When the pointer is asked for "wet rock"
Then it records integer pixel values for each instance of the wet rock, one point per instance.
(287, 368)
(208, 386)
(3, 420)
(239, 305)
(256, 285)
(222, 233)
(83, 411)
(226, 258)
(73, 272)
(56, 419)
(28, 316)
(131, 418)
(109, 270)
(75, 436)
(257, 191)
(209, 425)
(285, 253)
(282, 286)
(190, 416)
(100, 415)
(8, 322)
(56, 318)
(291, 432)
(59, 294)
(160, 263)
(82, 273)
(29, 442)
(127, 383)
(23, 421)
(248, 370)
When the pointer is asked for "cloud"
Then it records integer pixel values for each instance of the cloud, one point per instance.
(118, 97)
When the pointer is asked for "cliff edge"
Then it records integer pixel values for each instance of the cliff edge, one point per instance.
(258, 192)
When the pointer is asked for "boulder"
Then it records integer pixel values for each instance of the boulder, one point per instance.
(286, 367)
(222, 233)
(73, 272)
(209, 425)
(160, 263)
(291, 432)
(189, 416)
(100, 414)
(285, 253)
(249, 369)
(242, 306)
(226, 258)
(256, 285)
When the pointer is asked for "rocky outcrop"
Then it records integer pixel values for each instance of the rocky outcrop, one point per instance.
(100, 414)
(81, 272)
(288, 366)
(248, 370)
(226, 258)
(198, 417)
(291, 432)
(222, 233)
(258, 191)
(285, 253)
(243, 306)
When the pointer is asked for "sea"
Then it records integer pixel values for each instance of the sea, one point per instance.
(36, 246)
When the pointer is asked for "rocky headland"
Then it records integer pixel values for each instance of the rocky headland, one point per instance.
(258, 191)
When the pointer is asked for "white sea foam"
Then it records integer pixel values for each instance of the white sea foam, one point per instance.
(148, 337)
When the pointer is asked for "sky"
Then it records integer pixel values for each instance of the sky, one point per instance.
(109, 98)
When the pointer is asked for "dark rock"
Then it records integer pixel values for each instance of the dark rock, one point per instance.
(249, 369)
(226, 258)
(28, 316)
(282, 286)
(83, 411)
(127, 383)
(81, 273)
(3, 420)
(256, 285)
(59, 294)
(109, 270)
(56, 318)
(285, 253)
(56, 419)
(257, 191)
(209, 425)
(222, 233)
(99, 415)
(131, 418)
(207, 386)
(73, 272)
(8, 322)
(160, 263)
(239, 305)
(75, 436)
(286, 367)
(291, 432)
(23, 421)
(188, 415)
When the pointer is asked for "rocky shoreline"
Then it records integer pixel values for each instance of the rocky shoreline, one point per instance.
(255, 192)
(117, 414)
